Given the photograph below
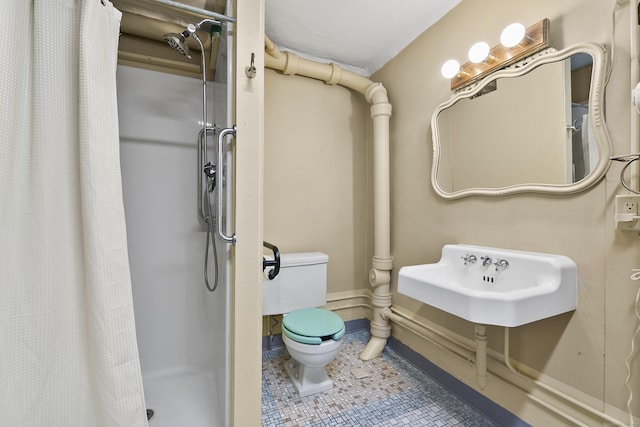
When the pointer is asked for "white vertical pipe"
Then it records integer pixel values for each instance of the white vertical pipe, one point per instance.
(382, 263)
(481, 355)
(380, 114)
(376, 95)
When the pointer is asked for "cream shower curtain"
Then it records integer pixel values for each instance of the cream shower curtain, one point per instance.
(68, 354)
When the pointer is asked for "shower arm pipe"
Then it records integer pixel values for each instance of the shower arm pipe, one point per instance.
(382, 263)
(169, 4)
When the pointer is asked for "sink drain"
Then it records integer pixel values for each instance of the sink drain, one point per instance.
(150, 413)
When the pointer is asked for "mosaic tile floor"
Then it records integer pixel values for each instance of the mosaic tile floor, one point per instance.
(392, 393)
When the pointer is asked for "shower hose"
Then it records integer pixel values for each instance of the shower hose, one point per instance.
(210, 220)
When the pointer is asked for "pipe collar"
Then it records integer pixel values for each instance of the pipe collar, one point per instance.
(336, 75)
(382, 263)
(290, 64)
(380, 109)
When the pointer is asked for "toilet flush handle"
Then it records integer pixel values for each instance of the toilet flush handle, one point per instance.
(275, 262)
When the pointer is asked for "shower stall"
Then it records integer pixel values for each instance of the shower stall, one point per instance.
(182, 327)
(83, 131)
(190, 300)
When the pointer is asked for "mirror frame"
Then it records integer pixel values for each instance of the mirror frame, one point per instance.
(596, 117)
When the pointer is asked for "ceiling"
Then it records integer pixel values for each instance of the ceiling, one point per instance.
(359, 35)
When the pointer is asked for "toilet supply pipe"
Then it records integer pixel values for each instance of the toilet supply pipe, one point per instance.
(382, 262)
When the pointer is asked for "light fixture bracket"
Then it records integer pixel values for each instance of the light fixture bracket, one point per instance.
(536, 39)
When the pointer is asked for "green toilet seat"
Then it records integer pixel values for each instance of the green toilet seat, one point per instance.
(312, 326)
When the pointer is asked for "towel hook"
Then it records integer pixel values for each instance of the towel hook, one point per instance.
(251, 71)
(574, 127)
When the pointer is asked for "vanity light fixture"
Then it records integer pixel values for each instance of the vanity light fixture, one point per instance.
(512, 35)
(450, 69)
(479, 52)
(517, 43)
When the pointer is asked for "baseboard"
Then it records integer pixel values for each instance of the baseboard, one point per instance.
(476, 400)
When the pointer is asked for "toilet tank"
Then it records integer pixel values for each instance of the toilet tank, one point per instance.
(301, 283)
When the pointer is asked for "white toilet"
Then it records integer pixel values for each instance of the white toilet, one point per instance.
(312, 335)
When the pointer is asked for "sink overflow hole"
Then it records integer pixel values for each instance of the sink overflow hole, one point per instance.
(488, 279)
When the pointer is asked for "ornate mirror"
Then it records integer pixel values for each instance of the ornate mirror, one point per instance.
(536, 126)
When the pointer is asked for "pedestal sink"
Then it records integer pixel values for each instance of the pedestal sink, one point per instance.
(494, 286)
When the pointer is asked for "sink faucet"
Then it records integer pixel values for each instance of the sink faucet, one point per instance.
(469, 259)
(501, 264)
(486, 261)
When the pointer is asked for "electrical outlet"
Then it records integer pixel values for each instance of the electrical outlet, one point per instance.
(626, 214)
(627, 204)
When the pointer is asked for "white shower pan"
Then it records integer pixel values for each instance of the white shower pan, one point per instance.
(494, 286)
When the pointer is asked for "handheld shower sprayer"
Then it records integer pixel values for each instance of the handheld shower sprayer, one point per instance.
(179, 41)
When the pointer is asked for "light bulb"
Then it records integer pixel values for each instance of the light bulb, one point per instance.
(450, 69)
(512, 35)
(479, 52)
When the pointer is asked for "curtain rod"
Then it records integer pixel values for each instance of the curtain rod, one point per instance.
(188, 8)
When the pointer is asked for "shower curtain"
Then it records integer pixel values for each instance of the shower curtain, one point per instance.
(68, 353)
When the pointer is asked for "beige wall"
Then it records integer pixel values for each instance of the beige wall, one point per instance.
(317, 195)
(316, 178)
(583, 352)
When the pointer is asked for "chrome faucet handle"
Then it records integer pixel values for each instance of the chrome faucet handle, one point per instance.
(501, 264)
(486, 261)
(469, 259)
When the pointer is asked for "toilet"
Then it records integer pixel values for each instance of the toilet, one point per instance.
(312, 335)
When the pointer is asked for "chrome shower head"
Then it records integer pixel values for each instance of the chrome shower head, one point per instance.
(178, 42)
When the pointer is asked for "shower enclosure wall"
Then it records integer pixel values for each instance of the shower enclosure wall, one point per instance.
(182, 329)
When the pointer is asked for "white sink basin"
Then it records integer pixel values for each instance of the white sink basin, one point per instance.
(530, 286)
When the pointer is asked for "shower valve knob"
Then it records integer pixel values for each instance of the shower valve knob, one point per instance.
(210, 169)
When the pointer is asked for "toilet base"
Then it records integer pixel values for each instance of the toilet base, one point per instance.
(308, 380)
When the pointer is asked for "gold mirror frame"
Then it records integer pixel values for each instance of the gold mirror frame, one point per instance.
(596, 117)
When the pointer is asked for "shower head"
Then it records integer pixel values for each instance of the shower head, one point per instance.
(178, 42)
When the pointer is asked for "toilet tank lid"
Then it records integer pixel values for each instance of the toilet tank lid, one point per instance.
(303, 258)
